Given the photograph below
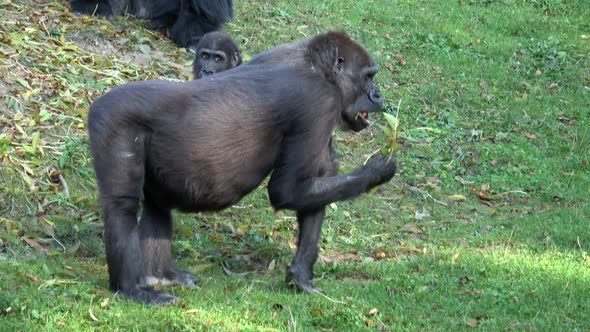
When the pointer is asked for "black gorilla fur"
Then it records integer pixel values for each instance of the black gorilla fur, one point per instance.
(187, 20)
(203, 145)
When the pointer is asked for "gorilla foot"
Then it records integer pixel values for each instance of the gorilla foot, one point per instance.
(151, 296)
(178, 277)
(185, 278)
(301, 282)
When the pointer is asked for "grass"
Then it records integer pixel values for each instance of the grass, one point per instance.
(487, 225)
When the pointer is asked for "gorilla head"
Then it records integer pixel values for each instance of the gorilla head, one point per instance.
(216, 52)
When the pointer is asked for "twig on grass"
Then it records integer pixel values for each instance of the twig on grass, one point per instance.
(64, 184)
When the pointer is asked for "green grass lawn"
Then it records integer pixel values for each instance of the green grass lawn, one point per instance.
(486, 226)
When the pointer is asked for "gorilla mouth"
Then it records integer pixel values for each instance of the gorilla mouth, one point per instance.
(363, 117)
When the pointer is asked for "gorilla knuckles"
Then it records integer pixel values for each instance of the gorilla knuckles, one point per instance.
(216, 52)
(163, 143)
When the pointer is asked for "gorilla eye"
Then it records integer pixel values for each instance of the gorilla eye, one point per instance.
(205, 56)
(217, 58)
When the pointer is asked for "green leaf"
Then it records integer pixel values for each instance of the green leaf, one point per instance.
(392, 121)
(36, 138)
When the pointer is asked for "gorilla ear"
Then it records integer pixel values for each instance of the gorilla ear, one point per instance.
(236, 59)
(338, 64)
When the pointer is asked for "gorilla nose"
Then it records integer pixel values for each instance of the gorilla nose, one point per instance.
(375, 96)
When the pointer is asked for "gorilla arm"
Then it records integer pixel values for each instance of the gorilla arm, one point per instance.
(288, 190)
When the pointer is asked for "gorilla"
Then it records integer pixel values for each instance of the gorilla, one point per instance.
(216, 52)
(187, 20)
(202, 145)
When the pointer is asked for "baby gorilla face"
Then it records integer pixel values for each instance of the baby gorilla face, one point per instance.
(216, 52)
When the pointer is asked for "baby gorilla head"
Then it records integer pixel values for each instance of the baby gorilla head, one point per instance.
(216, 52)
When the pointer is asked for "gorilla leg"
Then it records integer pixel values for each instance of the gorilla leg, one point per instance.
(155, 236)
(122, 243)
(124, 257)
(119, 163)
(301, 270)
(189, 28)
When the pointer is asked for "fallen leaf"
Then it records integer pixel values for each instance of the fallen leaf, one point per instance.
(105, 302)
(421, 215)
(32, 277)
(472, 324)
(412, 228)
(458, 198)
(340, 258)
(196, 269)
(33, 243)
(92, 315)
(408, 249)
(372, 312)
(462, 181)
(72, 250)
(316, 312)
(379, 255)
(480, 193)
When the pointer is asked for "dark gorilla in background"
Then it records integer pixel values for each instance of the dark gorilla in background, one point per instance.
(187, 20)
(215, 52)
(202, 145)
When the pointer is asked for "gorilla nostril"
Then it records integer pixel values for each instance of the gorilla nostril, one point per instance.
(375, 94)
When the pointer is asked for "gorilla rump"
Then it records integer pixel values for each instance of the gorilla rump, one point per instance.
(202, 145)
(216, 52)
(187, 20)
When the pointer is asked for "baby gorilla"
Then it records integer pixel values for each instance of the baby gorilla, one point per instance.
(216, 52)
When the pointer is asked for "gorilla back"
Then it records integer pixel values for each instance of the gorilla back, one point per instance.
(203, 145)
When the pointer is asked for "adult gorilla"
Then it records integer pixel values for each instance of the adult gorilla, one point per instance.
(216, 52)
(203, 145)
(187, 20)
